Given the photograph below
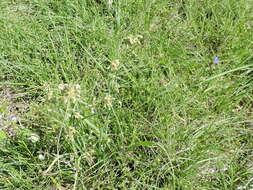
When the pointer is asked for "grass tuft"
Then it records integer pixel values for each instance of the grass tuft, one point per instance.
(126, 94)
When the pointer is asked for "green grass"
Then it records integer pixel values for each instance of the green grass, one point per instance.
(127, 96)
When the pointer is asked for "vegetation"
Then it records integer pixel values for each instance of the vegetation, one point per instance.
(126, 94)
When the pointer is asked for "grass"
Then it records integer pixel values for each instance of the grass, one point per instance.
(126, 96)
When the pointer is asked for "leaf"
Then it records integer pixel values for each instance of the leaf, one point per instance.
(2, 135)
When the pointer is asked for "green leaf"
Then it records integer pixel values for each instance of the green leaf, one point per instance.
(2, 135)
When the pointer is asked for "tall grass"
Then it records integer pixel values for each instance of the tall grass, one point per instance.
(126, 96)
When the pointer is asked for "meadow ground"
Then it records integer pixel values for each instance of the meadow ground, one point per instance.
(127, 95)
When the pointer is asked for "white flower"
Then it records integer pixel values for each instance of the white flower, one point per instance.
(135, 39)
(33, 137)
(115, 64)
(61, 86)
(41, 157)
(109, 100)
